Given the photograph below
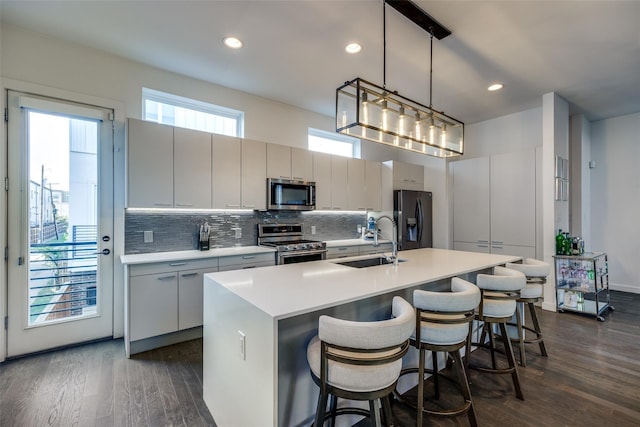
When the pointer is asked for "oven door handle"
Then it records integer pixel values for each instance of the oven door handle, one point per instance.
(293, 254)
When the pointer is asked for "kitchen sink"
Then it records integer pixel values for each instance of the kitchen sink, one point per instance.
(368, 262)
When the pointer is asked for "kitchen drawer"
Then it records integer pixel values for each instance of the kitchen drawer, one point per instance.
(240, 261)
(342, 251)
(370, 249)
(169, 266)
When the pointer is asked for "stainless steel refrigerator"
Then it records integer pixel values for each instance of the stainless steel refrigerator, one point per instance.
(412, 211)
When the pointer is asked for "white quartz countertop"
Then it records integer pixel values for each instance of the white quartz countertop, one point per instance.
(183, 255)
(292, 289)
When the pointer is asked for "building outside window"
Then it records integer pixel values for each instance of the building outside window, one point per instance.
(333, 143)
(174, 110)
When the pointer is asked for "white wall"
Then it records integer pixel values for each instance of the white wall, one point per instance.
(615, 198)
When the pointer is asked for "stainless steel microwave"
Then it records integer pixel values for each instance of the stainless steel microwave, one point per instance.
(288, 194)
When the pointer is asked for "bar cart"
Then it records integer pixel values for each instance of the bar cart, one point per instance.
(582, 284)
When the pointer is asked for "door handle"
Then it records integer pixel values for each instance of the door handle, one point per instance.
(102, 252)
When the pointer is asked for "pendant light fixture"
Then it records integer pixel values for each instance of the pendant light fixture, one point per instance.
(367, 111)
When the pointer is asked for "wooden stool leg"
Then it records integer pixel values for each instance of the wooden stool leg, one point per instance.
(519, 314)
(512, 361)
(536, 327)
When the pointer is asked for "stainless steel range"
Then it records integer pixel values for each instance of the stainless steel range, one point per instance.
(289, 243)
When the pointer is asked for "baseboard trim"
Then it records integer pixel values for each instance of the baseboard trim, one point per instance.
(624, 288)
(164, 340)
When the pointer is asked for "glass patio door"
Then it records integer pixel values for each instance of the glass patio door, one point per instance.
(60, 223)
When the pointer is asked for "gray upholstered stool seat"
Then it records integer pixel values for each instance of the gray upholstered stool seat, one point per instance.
(536, 272)
(442, 325)
(360, 361)
(499, 292)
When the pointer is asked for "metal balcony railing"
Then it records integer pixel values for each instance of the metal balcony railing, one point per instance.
(62, 280)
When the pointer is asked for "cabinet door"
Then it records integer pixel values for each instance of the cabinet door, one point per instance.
(356, 185)
(342, 252)
(190, 294)
(192, 169)
(471, 201)
(254, 174)
(301, 164)
(153, 308)
(226, 176)
(513, 199)
(339, 182)
(472, 247)
(278, 161)
(416, 176)
(149, 165)
(322, 177)
(373, 185)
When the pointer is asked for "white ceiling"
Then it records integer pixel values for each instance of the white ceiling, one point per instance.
(586, 51)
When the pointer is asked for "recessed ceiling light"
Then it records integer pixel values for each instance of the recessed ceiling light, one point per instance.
(232, 42)
(495, 86)
(353, 48)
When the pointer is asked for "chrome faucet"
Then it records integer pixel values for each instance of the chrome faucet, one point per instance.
(394, 240)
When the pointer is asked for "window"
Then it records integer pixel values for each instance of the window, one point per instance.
(333, 143)
(188, 113)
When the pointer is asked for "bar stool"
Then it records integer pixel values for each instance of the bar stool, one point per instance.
(536, 272)
(499, 292)
(442, 325)
(360, 361)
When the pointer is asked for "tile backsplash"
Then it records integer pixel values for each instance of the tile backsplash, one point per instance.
(177, 231)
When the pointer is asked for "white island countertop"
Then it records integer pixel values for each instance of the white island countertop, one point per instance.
(288, 290)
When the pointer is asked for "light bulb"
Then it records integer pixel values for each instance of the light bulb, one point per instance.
(385, 114)
(443, 135)
(431, 130)
(401, 120)
(418, 126)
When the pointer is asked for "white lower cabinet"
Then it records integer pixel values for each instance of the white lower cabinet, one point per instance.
(342, 251)
(358, 249)
(165, 297)
(381, 248)
(153, 308)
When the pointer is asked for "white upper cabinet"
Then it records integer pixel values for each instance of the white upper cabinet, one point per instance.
(278, 161)
(356, 185)
(289, 162)
(254, 174)
(513, 199)
(149, 165)
(301, 164)
(494, 202)
(407, 176)
(373, 185)
(322, 177)
(192, 169)
(471, 201)
(339, 180)
(226, 176)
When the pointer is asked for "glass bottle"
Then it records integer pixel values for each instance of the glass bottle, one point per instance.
(559, 240)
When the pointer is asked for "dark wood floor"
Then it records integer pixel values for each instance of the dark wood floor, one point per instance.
(591, 378)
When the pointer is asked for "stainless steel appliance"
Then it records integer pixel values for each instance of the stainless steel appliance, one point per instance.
(412, 211)
(289, 243)
(289, 194)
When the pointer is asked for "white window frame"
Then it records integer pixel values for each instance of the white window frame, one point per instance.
(334, 137)
(194, 105)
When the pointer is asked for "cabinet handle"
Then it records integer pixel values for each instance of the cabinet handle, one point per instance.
(177, 264)
(232, 206)
(163, 204)
(184, 204)
(248, 267)
(299, 178)
(285, 177)
(248, 257)
(189, 274)
(483, 241)
(495, 242)
(342, 249)
(173, 276)
(337, 209)
(248, 206)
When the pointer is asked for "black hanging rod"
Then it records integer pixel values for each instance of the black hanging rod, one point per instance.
(421, 18)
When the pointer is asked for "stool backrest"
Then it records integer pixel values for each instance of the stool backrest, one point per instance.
(535, 270)
(368, 343)
(502, 280)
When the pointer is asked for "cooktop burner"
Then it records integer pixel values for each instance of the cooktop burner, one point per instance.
(286, 238)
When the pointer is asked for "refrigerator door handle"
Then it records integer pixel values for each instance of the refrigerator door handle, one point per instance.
(419, 215)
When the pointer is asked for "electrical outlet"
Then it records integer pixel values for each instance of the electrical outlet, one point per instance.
(238, 232)
(148, 236)
(243, 345)
(313, 229)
